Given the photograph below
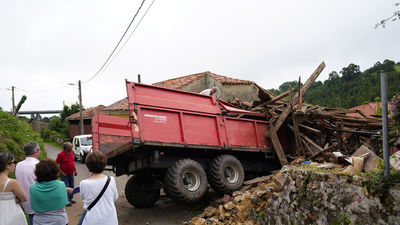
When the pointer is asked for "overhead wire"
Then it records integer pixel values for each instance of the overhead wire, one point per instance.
(115, 48)
(110, 57)
(41, 90)
(137, 25)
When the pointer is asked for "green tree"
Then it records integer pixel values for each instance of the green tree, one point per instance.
(69, 110)
(354, 87)
(333, 75)
(350, 72)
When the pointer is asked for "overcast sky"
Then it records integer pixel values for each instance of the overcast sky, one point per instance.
(46, 44)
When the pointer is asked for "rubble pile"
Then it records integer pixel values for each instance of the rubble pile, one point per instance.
(305, 195)
(316, 131)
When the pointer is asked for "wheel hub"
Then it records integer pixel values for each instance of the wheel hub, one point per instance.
(191, 180)
(231, 174)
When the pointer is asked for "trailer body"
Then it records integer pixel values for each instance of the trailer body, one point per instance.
(167, 126)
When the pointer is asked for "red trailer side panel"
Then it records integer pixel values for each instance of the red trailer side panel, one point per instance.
(168, 98)
(160, 125)
(245, 133)
(201, 129)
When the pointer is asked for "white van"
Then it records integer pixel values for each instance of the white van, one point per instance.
(81, 146)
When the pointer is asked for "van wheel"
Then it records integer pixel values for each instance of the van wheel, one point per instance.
(83, 158)
(142, 191)
(75, 159)
(225, 174)
(185, 181)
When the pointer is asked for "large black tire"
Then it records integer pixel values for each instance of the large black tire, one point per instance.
(185, 181)
(142, 191)
(225, 174)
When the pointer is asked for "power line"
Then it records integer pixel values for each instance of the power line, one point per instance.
(137, 25)
(42, 90)
(115, 48)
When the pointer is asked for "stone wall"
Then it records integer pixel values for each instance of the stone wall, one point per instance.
(298, 195)
(247, 92)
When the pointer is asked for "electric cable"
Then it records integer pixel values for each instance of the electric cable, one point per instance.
(115, 48)
(41, 90)
(137, 25)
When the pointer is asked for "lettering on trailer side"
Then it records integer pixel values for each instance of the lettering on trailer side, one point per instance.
(157, 118)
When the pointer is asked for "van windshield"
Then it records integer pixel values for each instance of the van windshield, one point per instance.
(86, 141)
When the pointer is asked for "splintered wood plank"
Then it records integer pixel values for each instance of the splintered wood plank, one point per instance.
(278, 148)
(311, 142)
(274, 99)
(362, 113)
(306, 86)
(313, 130)
(257, 180)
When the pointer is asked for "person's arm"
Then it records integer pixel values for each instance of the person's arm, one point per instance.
(114, 187)
(61, 172)
(58, 161)
(82, 189)
(18, 191)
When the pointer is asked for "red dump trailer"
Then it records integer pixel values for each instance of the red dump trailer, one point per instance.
(181, 142)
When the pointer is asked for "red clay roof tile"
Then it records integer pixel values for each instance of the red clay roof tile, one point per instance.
(181, 82)
(118, 106)
(88, 113)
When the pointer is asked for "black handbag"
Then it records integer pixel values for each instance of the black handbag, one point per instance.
(94, 202)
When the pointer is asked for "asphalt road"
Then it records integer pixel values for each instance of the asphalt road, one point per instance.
(164, 212)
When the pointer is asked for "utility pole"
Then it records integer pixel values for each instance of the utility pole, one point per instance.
(80, 107)
(13, 102)
(385, 141)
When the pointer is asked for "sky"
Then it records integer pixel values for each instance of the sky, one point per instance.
(45, 45)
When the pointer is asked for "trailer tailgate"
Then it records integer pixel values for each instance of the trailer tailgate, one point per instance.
(110, 133)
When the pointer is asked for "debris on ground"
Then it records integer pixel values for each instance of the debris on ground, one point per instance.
(305, 195)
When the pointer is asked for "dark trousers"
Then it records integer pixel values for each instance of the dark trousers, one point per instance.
(30, 217)
(69, 182)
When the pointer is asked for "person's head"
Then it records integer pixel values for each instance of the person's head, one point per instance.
(32, 149)
(46, 170)
(67, 146)
(7, 162)
(213, 90)
(96, 161)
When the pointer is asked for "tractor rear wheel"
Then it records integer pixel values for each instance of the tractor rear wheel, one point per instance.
(225, 174)
(142, 191)
(185, 181)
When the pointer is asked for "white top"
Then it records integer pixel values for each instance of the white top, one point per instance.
(10, 212)
(206, 92)
(25, 175)
(104, 211)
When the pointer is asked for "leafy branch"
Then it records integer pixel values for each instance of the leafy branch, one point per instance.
(395, 16)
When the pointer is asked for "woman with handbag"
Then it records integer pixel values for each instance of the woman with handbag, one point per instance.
(99, 192)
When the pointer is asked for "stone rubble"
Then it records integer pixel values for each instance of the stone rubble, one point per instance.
(298, 195)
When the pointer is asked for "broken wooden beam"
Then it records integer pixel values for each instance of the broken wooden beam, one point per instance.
(307, 85)
(278, 148)
(313, 130)
(258, 180)
(273, 100)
